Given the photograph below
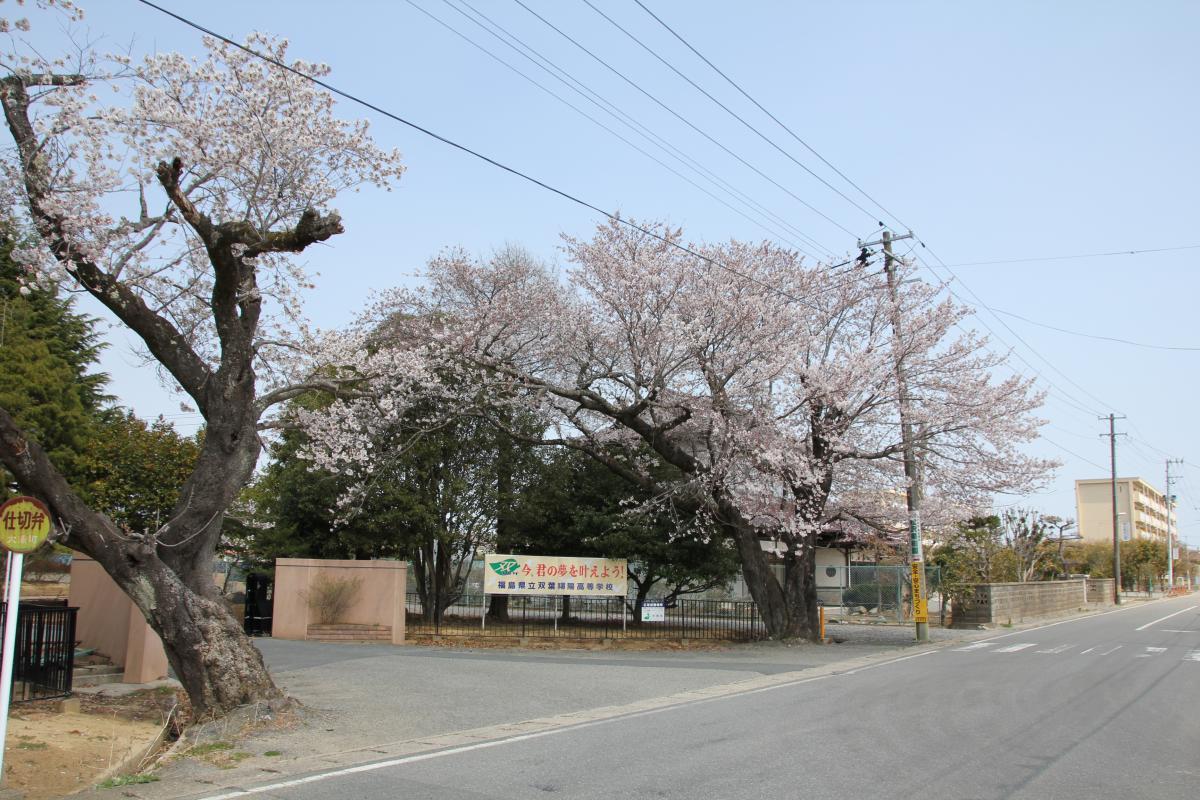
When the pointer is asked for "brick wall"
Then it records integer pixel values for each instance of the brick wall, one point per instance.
(1000, 603)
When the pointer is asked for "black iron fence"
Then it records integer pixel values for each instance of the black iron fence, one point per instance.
(587, 618)
(45, 651)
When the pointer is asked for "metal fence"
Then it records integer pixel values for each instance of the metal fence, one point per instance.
(588, 618)
(45, 650)
(873, 591)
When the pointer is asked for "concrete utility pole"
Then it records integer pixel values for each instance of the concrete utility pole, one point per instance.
(911, 468)
(1170, 543)
(1112, 444)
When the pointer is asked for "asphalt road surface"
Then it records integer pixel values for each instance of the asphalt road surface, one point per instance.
(1097, 707)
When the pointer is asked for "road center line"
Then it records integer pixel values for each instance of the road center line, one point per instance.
(1168, 616)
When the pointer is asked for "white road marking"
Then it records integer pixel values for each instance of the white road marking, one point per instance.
(1120, 610)
(1056, 650)
(1085, 652)
(1115, 649)
(1012, 648)
(1168, 616)
(1192, 656)
(1169, 630)
(975, 646)
(416, 757)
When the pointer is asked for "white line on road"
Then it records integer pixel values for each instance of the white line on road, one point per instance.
(1168, 616)
(524, 737)
(1056, 650)
(1115, 649)
(1170, 630)
(1192, 656)
(975, 646)
(1072, 619)
(1085, 652)
(1012, 648)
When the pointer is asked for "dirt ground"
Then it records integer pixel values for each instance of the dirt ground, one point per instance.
(51, 753)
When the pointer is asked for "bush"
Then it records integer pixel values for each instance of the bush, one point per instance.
(331, 598)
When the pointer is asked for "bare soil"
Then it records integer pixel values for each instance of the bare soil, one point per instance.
(51, 753)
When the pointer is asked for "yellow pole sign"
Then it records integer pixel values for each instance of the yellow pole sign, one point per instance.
(920, 606)
(24, 524)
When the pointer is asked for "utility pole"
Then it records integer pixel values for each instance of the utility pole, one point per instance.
(1170, 543)
(911, 468)
(1112, 445)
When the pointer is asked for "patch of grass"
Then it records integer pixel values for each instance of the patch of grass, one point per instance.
(201, 750)
(273, 753)
(32, 745)
(126, 780)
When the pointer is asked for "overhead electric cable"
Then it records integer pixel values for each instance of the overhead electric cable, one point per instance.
(1092, 335)
(1077, 256)
(880, 206)
(685, 120)
(581, 89)
(600, 124)
(776, 120)
(463, 148)
(727, 109)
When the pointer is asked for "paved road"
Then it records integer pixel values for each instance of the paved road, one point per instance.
(1099, 707)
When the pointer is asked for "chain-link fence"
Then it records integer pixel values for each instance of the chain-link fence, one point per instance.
(875, 592)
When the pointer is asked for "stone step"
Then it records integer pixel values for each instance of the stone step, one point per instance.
(98, 675)
(350, 635)
(349, 632)
(348, 626)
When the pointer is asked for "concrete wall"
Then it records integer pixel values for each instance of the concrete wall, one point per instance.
(1100, 591)
(379, 600)
(109, 622)
(1001, 603)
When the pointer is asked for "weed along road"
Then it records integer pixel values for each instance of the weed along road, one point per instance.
(1091, 707)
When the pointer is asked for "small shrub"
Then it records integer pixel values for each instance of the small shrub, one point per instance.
(331, 598)
(126, 780)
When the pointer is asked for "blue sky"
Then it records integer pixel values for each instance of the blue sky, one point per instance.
(996, 131)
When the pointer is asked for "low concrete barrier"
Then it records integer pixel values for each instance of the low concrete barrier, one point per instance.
(1002, 603)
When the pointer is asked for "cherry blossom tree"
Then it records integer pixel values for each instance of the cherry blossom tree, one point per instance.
(177, 203)
(768, 384)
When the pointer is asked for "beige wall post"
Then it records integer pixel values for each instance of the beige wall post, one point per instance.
(379, 600)
(109, 622)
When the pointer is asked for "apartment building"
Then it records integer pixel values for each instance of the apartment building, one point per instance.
(1141, 510)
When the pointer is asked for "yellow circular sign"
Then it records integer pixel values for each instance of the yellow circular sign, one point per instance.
(24, 524)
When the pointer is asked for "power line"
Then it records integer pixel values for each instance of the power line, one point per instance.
(1076, 256)
(893, 216)
(499, 165)
(1092, 335)
(775, 119)
(1072, 452)
(979, 301)
(562, 76)
(598, 123)
(685, 120)
(727, 110)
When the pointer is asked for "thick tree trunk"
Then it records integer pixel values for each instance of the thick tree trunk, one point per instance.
(214, 660)
(788, 609)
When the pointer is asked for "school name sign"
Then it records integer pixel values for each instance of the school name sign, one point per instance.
(553, 575)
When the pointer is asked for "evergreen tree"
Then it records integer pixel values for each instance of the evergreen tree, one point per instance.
(48, 354)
